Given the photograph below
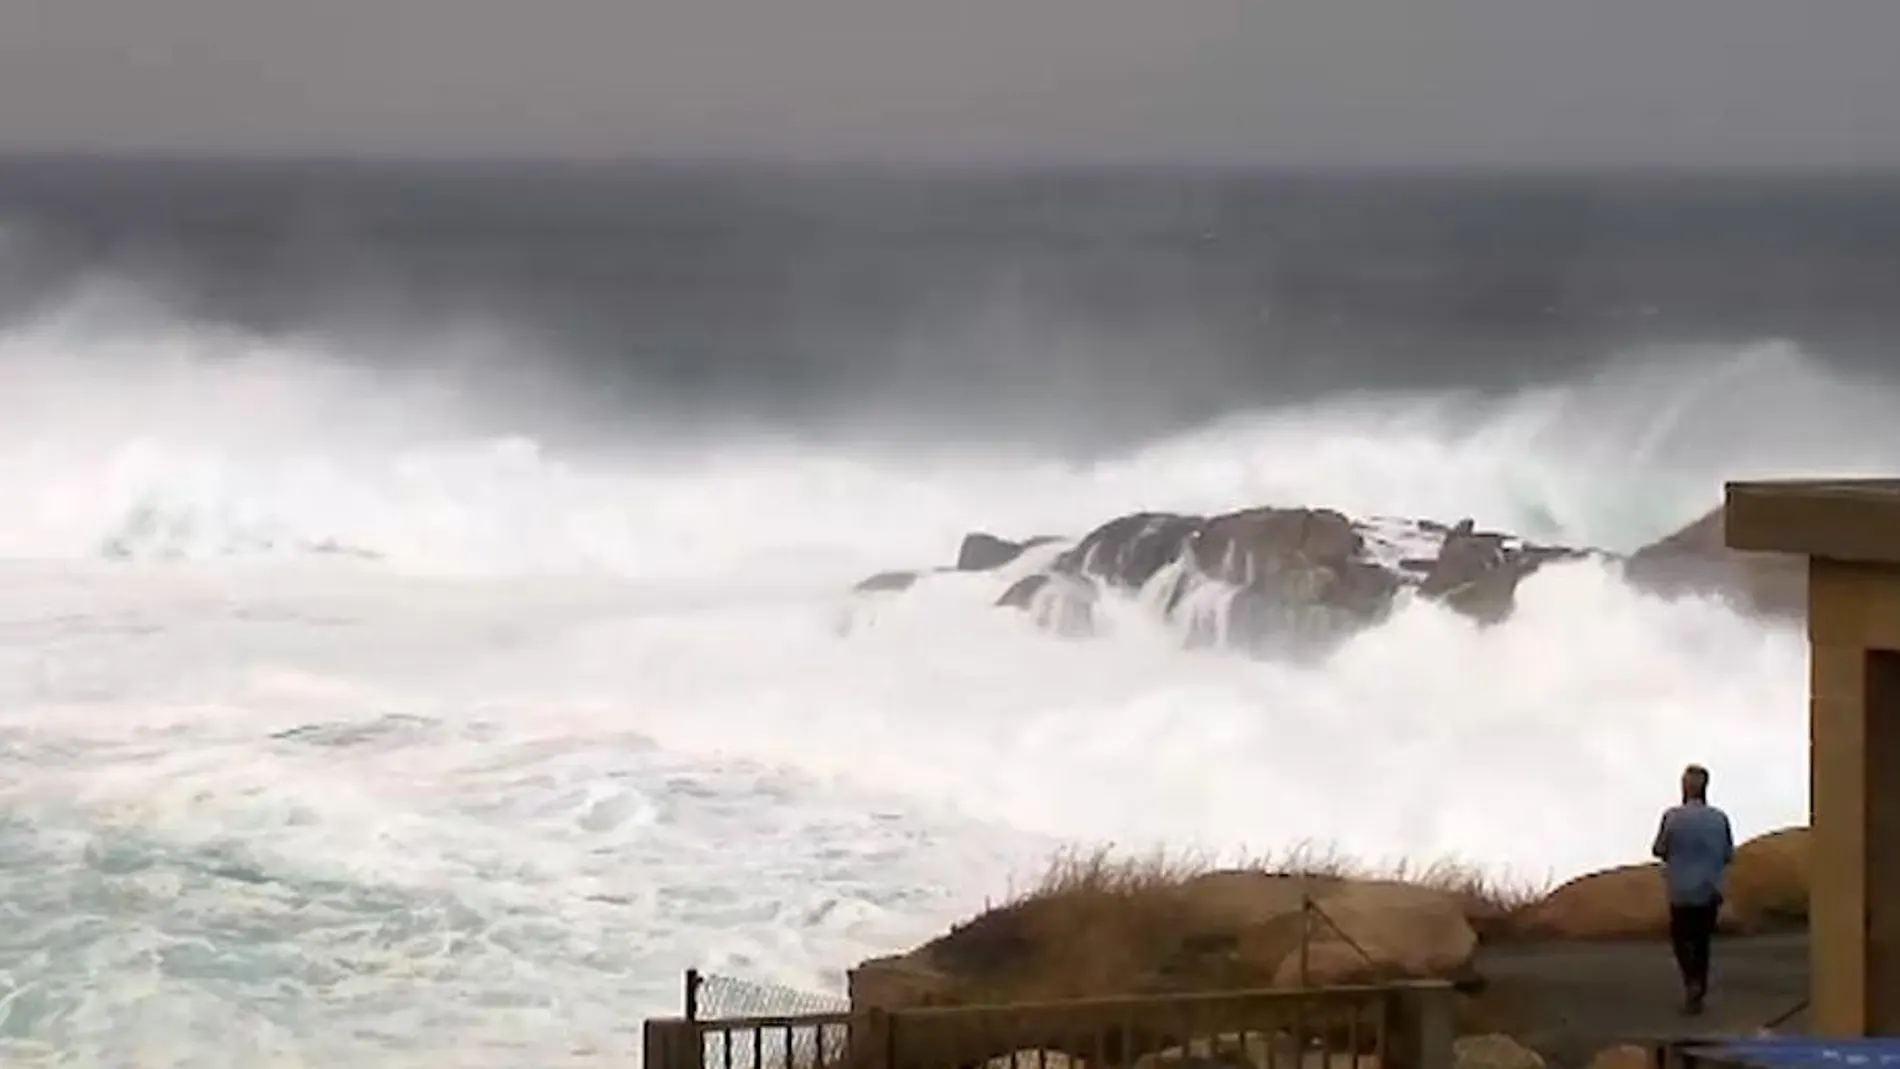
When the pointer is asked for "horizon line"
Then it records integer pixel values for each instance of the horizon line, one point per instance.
(606, 163)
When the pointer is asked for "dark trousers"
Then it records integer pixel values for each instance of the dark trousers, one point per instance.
(1691, 929)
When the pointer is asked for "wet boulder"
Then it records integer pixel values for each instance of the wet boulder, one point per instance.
(982, 552)
(1477, 572)
(1128, 551)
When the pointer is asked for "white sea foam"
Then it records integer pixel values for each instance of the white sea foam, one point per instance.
(558, 724)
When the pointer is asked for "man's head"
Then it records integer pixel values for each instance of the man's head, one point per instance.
(1695, 784)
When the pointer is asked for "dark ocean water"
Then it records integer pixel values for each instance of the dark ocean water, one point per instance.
(1094, 304)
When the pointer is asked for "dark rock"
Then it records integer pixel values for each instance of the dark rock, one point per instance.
(886, 582)
(1697, 560)
(981, 552)
(1276, 580)
(1129, 550)
(1062, 604)
(1477, 572)
(1022, 593)
(1300, 572)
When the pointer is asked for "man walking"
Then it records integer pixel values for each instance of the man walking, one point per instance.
(1695, 845)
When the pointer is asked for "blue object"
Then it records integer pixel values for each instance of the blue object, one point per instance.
(1696, 846)
(1795, 1053)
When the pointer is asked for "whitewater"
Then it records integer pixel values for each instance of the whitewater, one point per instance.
(343, 721)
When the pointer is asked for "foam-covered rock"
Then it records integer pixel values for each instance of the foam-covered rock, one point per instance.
(1279, 580)
(1478, 572)
(1128, 551)
(886, 582)
(983, 552)
(1273, 579)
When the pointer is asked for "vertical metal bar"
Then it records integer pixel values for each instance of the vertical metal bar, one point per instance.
(1383, 1045)
(1299, 1029)
(1306, 934)
(692, 981)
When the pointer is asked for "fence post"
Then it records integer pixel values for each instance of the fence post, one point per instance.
(671, 1043)
(692, 983)
(872, 1040)
(1420, 1017)
(1437, 1026)
(1307, 906)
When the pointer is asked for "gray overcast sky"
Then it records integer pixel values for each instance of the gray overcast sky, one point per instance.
(1771, 82)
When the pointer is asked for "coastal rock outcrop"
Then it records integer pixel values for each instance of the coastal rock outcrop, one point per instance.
(886, 582)
(1101, 929)
(1299, 577)
(1477, 572)
(1697, 560)
(984, 552)
(1292, 580)
(1220, 930)
(1767, 892)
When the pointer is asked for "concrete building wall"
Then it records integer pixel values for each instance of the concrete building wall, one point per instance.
(1851, 533)
(1854, 625)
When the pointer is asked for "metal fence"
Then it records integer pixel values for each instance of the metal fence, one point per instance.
(755, 1025)
(1395, 1026)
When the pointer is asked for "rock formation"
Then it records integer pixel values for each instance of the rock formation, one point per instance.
(1291, 580)
(1221, 930)
(984, 552)
(1299, 578)
(1162, 932)
(1767, 892)
(1695, 560)
(886, 582)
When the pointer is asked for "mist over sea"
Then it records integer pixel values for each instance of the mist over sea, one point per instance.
(421, 637)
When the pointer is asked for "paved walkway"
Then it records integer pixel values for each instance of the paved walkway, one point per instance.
(1571, 1000)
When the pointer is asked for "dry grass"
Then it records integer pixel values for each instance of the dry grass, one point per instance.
(1098, 922)
(1101, 871)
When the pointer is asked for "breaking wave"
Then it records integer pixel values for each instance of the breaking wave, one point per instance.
(134, 436)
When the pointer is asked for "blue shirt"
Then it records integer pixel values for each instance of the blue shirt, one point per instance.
(1695, 845)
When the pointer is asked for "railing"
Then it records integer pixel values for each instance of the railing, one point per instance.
(1398, 1026)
